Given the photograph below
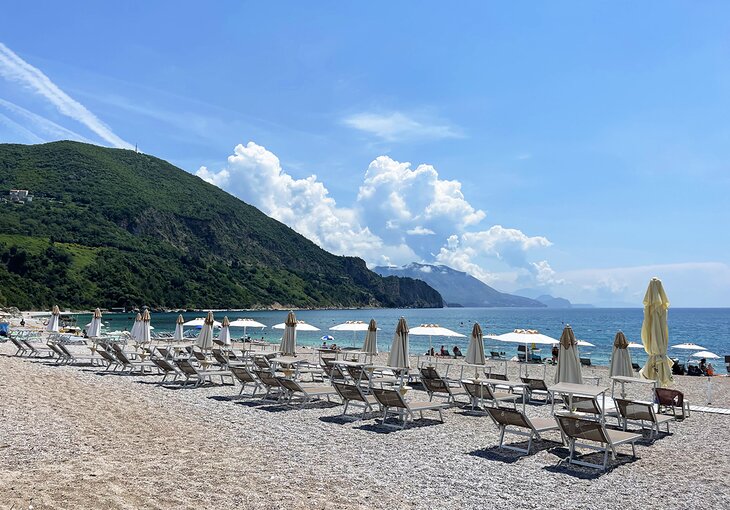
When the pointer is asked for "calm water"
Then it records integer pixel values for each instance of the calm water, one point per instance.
(709, 328)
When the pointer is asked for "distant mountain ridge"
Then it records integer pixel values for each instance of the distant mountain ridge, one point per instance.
(115, 228)
(458, 288)
(548, 300)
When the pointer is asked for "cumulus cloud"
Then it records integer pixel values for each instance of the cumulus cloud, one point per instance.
(255, 175)
(397, 126)
(400, 215)
(15, 69)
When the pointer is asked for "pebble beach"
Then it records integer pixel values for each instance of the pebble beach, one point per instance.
(77, 437)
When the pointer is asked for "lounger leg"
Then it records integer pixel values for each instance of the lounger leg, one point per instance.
(605, 457)
(344, 411)
(501, 435)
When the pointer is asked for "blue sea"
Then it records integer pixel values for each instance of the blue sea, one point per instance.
(708, 327)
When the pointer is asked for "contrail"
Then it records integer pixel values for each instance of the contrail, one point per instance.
(43, 124)
(14, 68)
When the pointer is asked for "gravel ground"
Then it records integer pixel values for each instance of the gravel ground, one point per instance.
(73, 437)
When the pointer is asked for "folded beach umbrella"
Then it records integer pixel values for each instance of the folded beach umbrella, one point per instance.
(655, 334)
(475, 351)
(53, 322)
(225, 335)
(94, 328)
(398, 357)
(288, 345)
(145, 330)
(568, 359)
(136, 327)
(371, 339)
(621, 357)
(205, 337)
(179, 328)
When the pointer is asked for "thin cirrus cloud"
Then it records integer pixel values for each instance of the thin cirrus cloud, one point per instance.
(43, 129)
(15, 69)
(397, 126)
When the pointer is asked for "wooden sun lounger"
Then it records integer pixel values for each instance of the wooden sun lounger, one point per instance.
(504, 418)
(577, 429)
(392, 399)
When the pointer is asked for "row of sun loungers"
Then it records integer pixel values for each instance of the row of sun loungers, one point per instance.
(378, 392)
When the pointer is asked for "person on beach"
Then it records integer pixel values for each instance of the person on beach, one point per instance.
(22, 322)
(431, 352)
(555, 353)
(444, 351)
(703, 366)
(457, 352)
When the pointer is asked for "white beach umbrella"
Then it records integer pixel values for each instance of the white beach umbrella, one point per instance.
(178, 336)
(525, 337)
(705, 354)
(53, 321)
(199, 322)
(655, 334)
(568, 370)
(136, 327)
(432, 330)
(353, 326)
(94, 327)
(475, 351)
(689, 347)
(225, 335)
(205, 337)
(246, 323)
(371, 339)
(621, 357)
(398, 357)
(145, 335)
(288, 345)
(301, 326)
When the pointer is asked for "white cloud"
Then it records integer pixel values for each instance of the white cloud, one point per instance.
(396, 126)
(15, 69)
(255, 175)
(420, 231)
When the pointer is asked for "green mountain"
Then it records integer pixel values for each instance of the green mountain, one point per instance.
(111, 227)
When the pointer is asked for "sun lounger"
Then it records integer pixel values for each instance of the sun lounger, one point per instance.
(353, 393)
(21, 349)
(479, 392)
(166, 368)
(112, 363)
(672, 399)
(132, 365)
(189, 371)
(536, 386)
(392, 399)
(36, 352)
(531, 427)
(576, 430)
(71, 357)
(434, 383)
(642, 413)
(245, 376)
(271, 383)
(306, 392)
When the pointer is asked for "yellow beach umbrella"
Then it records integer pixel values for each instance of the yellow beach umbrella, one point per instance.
(655, 334)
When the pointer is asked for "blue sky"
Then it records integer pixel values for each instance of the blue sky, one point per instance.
(577, 148)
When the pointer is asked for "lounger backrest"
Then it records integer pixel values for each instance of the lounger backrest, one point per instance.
(186, 367)
(164, 352)
(579, 428)
(349, 391)
(327, 362)
(106, 356)
(429, 373)
(435, 385)
(123, 357)
(357, 373)
(289, 384)
(499, 377)
(27, 344)
(475, 390)
(337, 373)
(268, 379)
(632, 410)
(667, 397)
(219, 357)
(262, 362)
(585, 405)
(163, 365)
(65, 350)
(17, 343)
(389, 398)
(535, 384)
(200, 356)
(507, 417)
(243, 374)
(54, 348)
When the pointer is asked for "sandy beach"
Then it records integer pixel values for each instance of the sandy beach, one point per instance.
(75, 437)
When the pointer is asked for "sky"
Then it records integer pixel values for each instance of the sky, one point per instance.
(571, 148)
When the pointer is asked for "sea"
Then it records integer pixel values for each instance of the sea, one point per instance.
(708, 327)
